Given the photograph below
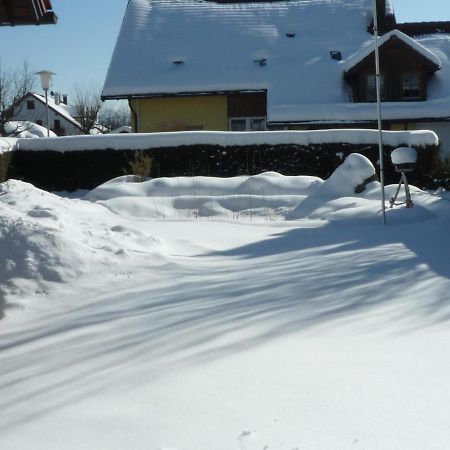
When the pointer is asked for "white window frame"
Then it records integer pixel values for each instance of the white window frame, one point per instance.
(247, 122)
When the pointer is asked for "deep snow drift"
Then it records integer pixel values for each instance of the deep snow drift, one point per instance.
(286, 318)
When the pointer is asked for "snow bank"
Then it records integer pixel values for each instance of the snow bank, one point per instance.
(174, 139)
(268, 183)
(350, 176)
(48, 240)
(351, 194)
(26, 129)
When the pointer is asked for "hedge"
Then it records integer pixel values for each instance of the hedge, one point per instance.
(87, 169)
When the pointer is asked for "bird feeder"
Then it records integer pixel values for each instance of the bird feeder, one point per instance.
(404, 160)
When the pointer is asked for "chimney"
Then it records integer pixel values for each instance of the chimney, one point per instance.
(381, 9)
(57, 98)
(386, 18)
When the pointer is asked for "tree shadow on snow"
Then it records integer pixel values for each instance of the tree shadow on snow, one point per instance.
(229, 302)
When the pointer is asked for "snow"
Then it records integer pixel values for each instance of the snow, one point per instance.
(245, 32)
(299, 323)
(7, 144)
(26, 130)
(173, 139)
(404, 155)
(369, 48)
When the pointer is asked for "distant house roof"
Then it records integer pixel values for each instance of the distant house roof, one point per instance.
(170, 47)
(26, 12)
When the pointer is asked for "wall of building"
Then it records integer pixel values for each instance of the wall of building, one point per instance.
(442, 129)
(208, 112)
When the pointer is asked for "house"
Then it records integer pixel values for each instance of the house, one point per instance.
(32, 107)
(293, 64)
(26, 12)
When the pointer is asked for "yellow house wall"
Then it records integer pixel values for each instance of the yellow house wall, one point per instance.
(403, 127)
(181, 113)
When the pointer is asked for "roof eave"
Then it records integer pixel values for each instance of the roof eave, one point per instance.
(178, 94)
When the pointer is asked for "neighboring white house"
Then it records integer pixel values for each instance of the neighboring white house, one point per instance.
(31, 107)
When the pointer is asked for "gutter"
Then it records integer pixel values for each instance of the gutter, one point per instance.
(181, 94)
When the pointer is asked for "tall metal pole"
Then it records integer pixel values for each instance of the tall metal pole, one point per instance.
(46, 105)
(378, 86)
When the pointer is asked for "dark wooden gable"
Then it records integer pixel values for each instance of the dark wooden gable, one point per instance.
(397, 59)
(26, 12)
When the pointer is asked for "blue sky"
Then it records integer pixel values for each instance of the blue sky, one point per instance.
(79, 48)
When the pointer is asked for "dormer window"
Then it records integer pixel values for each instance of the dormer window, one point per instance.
(411, 86)
(371, 91)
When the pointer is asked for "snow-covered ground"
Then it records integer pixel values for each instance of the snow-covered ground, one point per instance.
(248, 313)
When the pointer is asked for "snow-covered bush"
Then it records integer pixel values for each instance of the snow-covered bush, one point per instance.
(26, 129)
(351, 176)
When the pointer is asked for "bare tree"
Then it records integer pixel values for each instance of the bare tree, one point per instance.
(114, 117)
(14, 84)
(87, 106)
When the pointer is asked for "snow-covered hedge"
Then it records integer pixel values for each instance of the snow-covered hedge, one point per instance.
(86, 161)
(230, 139)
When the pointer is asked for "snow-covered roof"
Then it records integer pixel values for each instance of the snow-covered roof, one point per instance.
(62, 109)
(173, 46)
(369, 49)
(192, 46)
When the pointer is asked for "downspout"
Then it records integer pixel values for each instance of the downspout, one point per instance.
(135, 115)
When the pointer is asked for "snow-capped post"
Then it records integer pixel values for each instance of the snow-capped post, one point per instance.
(378, 87)
(46, 78)
(404, 160)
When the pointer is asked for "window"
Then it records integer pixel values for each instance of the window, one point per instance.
(238, 124)
(248, 124)
(257, 124)
(372, 87)
(411, 86)
(30, 104)
(57, 124)
(39, 122)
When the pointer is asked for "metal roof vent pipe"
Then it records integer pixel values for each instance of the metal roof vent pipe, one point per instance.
(404, 160)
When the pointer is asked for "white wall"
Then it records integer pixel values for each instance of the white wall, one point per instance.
(39, 113)
(442, 129)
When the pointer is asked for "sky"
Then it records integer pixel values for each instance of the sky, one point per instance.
(80, 46)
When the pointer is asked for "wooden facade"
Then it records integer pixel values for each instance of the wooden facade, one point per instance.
(26, 12)
(247, 104)
(399, 63)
